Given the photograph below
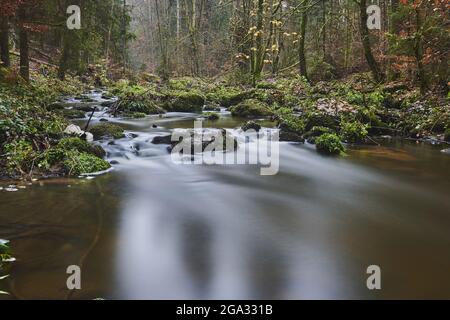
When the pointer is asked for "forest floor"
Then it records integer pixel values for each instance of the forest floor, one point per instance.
(331, 114)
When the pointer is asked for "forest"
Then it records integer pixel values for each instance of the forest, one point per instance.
(356, 92)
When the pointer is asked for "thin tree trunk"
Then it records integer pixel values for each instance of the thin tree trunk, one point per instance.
(394, 29)
(301, 47)
(23, 44)
(64, 59)
(124, 35)
(373, 65)
(165, 72)
(418, 52)
(4, 41)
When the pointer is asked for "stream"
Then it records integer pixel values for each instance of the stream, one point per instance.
(155, 229)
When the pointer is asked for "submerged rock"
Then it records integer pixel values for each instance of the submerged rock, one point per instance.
(251, 125)
(162, 139)
(199, 141)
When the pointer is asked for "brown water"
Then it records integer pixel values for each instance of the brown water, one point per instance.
(152, 229)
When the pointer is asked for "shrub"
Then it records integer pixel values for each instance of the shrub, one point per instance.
(20, 155)
(354, 132)
(447, 135)
(77, 163)
(329, 143)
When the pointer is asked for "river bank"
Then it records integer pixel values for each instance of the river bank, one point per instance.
(330, 115)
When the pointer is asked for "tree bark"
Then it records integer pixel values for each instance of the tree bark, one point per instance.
(301, 47)
(64, 59)
(4, 41)
(418, 52)
(24, 54)
(373, 65)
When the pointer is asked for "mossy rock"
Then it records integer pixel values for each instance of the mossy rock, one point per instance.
(107, 104)
(107, 96)
(231, 99)
(107, 130)
(75, 143)
(77, 163)
(354, 131)
(185, 102)
(251, 125)
(150, 77)
(330, 144)
(57, 156)
(266, 85)
(55, 106)
(291, 128)
(319, 119)
(251, 108)
(139, 105)
(211, 107)
(135, 115)
(315, 132)
(72, 113)
(213, 116)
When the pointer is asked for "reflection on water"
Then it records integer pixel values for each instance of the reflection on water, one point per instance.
(187, 231)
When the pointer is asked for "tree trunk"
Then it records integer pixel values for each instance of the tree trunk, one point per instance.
(4, 41)
(373, 65)
(393, 29)
(24, 55)
(64, 59)
(301, 47)
(418, 52)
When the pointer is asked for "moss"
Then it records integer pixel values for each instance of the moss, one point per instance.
(354, 132)
(135, 115)
(329, 143)
(72, 113)
(266, 85)
(77, 163)
(107, 130)
(315, 132)
(185, 101)
(229, 96)
(75, 143)
(139, 105)
(291, 128)
(58, 154)
(251, 108)
(181, 84)
(319, 119)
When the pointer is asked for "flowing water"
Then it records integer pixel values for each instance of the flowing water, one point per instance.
(155, 229)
